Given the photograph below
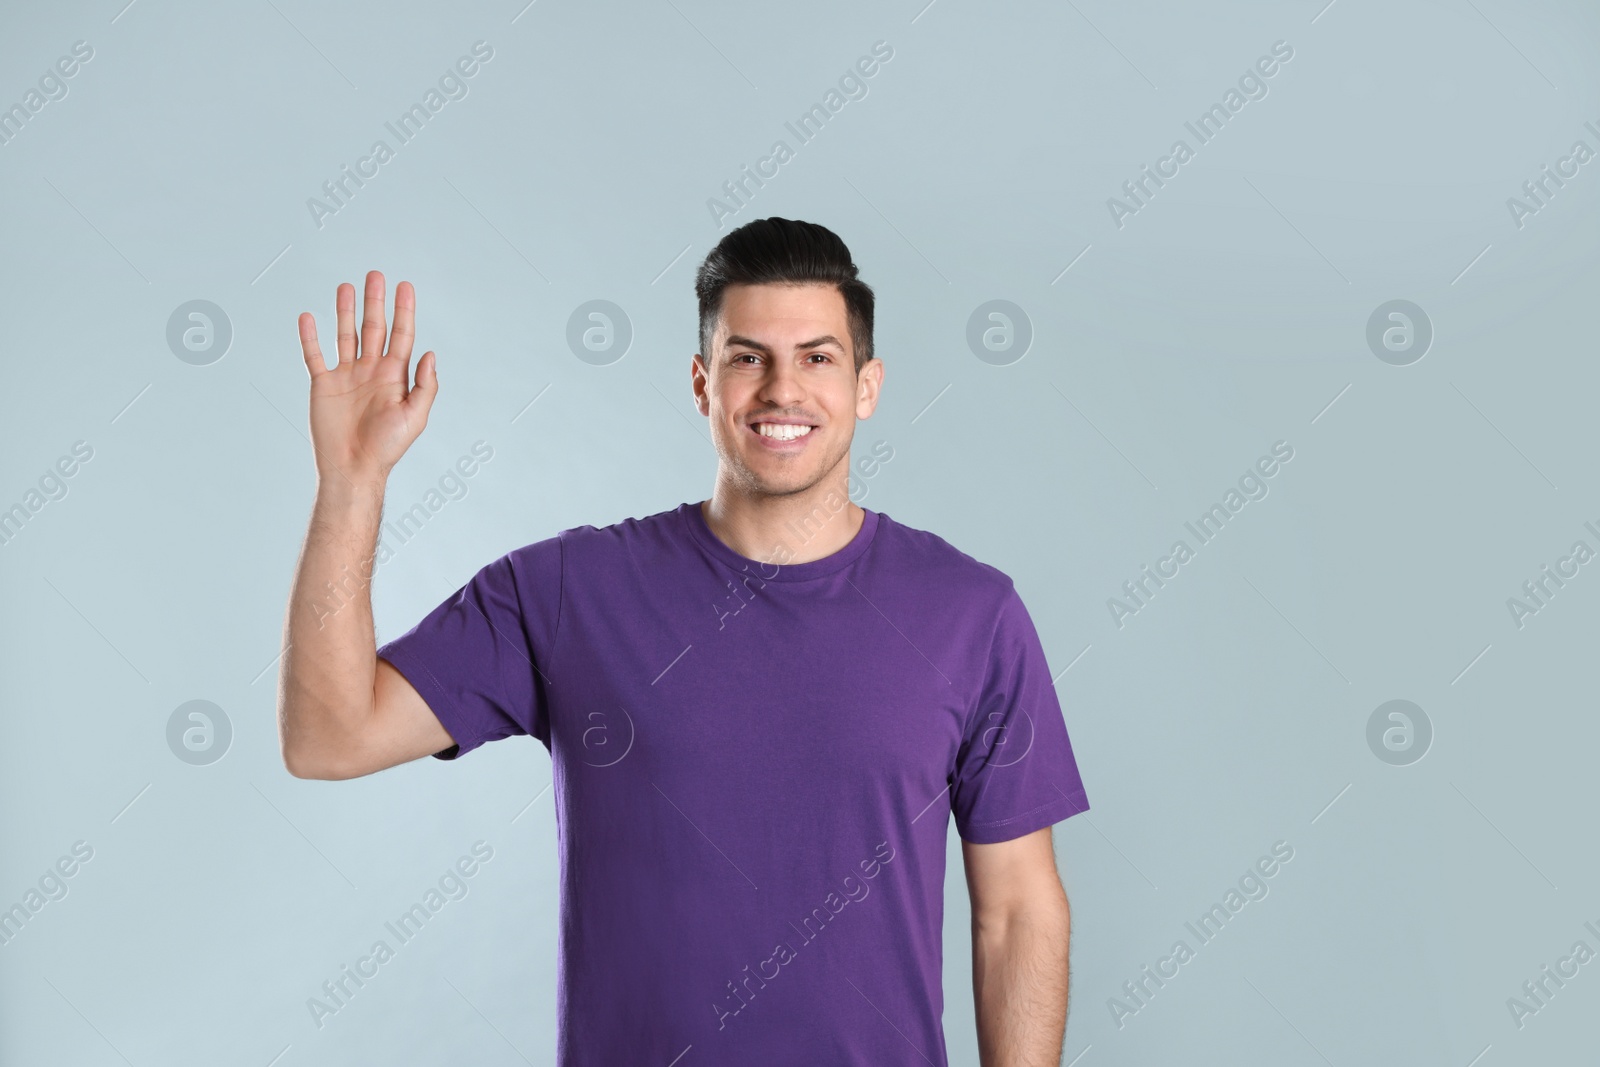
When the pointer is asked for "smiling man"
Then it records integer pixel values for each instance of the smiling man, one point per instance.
(763, 709)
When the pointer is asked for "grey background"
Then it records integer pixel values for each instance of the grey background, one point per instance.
(1229, 313)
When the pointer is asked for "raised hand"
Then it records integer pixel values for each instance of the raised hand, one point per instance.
(364, 415)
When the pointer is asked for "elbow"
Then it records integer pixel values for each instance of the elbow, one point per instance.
(305, 749)
(300, 768)
(305, 765)
(295, 764)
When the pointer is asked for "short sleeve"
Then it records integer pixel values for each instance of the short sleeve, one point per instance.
(1015, 772)
(480, 659)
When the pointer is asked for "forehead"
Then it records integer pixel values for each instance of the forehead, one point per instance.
(783, 314)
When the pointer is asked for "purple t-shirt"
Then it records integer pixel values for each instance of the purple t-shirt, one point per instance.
(754, 769)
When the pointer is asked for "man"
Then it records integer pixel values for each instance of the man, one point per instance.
(762, 709)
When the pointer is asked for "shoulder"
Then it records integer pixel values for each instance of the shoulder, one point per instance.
(629, 535)
(933, 559)
(544, 571)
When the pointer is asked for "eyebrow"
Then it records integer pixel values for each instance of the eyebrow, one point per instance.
(816, 342)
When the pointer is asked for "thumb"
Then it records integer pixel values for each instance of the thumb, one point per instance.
(419, 401)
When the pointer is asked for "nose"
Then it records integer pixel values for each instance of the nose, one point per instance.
(781, 386)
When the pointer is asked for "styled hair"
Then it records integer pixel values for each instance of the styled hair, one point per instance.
(784, 251)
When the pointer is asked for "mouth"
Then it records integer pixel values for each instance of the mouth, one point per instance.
(781, 436)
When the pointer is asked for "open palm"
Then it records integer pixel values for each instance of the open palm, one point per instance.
(364, 412)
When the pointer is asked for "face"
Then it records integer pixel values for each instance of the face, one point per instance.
(782, 362)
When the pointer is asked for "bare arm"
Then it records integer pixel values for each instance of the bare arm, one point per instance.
(1021, 927)
(342, 712)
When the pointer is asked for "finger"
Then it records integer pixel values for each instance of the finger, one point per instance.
(373, 325)
(309, 348)
(344, 302)
(404, 333)
(419, 401)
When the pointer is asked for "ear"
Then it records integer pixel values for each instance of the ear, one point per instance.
(700, 383)
(868, 384)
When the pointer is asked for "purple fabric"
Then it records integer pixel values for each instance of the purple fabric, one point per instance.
(754, 770)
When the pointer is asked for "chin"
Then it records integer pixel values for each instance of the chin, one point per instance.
(771, 475)
(780, 483)
(781, 486)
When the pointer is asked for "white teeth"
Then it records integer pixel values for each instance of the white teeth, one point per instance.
(782, 433)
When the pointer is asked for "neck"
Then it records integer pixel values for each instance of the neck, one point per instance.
(794, 528)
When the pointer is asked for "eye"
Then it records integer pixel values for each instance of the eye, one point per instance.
(824, 355)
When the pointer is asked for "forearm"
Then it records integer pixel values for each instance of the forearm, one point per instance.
(326, 677)
(1019, 976)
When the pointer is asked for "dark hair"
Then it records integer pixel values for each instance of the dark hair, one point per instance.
(784, 251)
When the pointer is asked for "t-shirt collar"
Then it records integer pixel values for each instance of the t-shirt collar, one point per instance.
(773, 571)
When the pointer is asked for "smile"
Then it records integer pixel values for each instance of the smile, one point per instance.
(780, 432)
